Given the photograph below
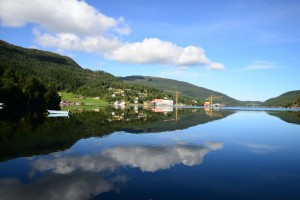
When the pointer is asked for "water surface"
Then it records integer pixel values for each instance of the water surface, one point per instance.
(140, 154)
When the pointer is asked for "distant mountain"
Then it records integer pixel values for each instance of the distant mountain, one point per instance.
(288, 99)
(185, 89)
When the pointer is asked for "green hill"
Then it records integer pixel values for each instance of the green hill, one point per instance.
(288, 99)
(185, 89)
(53, 68)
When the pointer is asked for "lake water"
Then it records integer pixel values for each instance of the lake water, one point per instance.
(140, 154)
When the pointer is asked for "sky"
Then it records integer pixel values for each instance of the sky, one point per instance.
(248, 50)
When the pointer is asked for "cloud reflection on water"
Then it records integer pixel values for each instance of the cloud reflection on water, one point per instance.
(260, 148)
(148, 158)
(65, 176)
(74, 186)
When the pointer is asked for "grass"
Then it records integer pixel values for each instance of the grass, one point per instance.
(85, 103)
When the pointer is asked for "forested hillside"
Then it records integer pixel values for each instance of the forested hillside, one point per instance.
(288, 99)
(53, 68)
(25, 92)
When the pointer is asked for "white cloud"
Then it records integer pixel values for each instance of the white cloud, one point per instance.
(156, 51)
(70, 41)
(75, 25)
(215, 66)
(68, 16)
(259, 65)
(68, 24)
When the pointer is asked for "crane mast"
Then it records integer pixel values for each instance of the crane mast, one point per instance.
(211, 98)
(177, 95)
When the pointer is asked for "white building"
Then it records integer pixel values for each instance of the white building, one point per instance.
(162, 103)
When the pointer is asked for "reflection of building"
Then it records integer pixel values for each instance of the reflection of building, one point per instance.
(121, 104)
(162, 105)
(162, 102)
(211, 113)
(163, 109)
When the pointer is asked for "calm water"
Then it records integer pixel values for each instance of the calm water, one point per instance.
(139, 154)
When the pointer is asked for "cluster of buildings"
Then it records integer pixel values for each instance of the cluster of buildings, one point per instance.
(65, 103)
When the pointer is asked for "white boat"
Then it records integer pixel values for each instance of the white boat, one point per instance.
(58, 115)
(58, 112)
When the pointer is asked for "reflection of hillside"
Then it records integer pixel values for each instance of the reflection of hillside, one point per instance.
(287, 116)
(31, 134)
(186, 118)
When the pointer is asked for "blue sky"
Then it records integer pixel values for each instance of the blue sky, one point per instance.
(249, 50)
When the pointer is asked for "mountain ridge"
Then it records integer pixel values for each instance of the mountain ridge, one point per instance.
(185, 89)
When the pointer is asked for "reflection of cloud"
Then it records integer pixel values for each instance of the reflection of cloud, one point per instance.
(147, 158)
(56, 186)
(261, 148)
(66, 165)
(82, 176)
(151, 159)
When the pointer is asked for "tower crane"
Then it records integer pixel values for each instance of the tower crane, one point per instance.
(177, 95)
(213, 97)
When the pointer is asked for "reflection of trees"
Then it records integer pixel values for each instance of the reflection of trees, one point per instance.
(33, 133)
(287, 116)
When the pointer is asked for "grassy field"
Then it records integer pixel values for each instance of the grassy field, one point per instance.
(85, 102)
